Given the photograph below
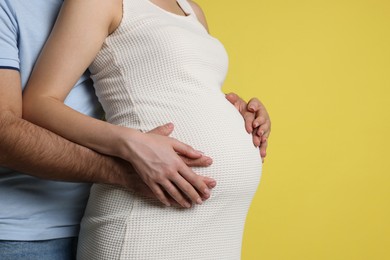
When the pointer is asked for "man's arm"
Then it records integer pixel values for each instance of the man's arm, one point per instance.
(36, 151)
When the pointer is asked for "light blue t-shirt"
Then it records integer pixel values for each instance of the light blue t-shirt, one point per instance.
(30, 208)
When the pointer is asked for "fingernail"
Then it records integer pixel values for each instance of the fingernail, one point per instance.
(169, 125)
(209, 161)
(199, 201)
(167, 204)
(212, 185)
(206, 191)
(187, 205)
(255, 124)
(200, 152)
(261, 132)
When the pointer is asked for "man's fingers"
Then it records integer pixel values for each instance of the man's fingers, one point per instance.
(203, 161)
(140, 187)
(210, 182)
(165, 130)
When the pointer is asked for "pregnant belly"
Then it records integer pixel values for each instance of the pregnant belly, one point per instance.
(214, 126)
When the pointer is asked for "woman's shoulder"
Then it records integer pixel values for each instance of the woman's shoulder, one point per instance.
(199, 13)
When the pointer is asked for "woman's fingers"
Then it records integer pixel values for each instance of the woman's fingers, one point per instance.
(185, 150)
(235, 100)
(194, 185)
(256, 140)
(254, 105)
(249, 117)
(187, 181)
(263, 126)
(172, 190)
(260, 121)
(160, 195)
(203, 161)
(263, 148)
(164, 164)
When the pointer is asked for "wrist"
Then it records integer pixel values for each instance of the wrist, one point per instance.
(114, 171)
(124, 142)
(118, 173)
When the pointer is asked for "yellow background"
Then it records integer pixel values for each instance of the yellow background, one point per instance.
(323, 70)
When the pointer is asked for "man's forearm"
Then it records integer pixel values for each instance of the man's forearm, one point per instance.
(33, 150)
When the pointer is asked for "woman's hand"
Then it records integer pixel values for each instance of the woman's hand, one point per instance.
(158, 161)
(77, 37)
(257, 120)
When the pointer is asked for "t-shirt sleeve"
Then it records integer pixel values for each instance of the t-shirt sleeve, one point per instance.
(9, 53)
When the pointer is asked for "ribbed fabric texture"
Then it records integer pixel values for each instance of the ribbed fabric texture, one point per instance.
(158, 67)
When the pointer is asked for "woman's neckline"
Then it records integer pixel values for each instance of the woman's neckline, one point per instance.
(186, 12)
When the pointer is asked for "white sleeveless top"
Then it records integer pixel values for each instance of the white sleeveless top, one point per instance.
(159, 67)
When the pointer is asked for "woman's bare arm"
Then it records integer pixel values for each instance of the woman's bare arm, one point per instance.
(78, 35)
(199, 14)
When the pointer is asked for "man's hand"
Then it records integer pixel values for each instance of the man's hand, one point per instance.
(256, 118)
(162, 163)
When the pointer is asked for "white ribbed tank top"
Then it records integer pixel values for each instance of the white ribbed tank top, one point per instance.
(159, 67)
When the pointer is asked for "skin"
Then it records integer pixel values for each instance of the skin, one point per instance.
(28, 148)
(154, 157)
(36, 151)
(257, 120)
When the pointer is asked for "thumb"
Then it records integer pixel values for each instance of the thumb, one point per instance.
(165, 130)
(234, 99)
